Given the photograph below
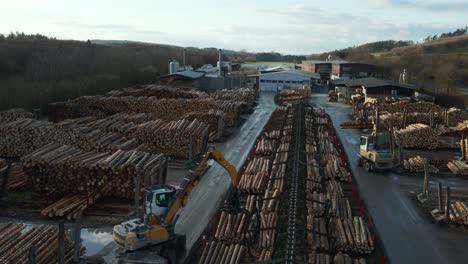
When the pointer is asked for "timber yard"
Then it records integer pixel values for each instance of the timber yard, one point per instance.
(283, 165)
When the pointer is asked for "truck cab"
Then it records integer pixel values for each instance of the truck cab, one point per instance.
(375, 152)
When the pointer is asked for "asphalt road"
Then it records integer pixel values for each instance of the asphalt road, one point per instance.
(207, 197)
(408, 235)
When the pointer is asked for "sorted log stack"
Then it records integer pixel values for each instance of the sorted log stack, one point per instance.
(401, 106)
(456, 116)
(274, 134)
(458, 167)
(255, 174)
(17, 177)
(218, 252)
(14, 114)
(166, 109)
(159, 91)
(215, 119)
(340, 207)
(335, 170)
(353, 236)
(315, 180)
(459, 213)
(18, 239)
(319, 258)
(416, 164)
(317, 234)
(231, 228)
(341, 258)
(69, 206)
(64, 170)
(418, 136)
(315, 203)
(265, 147)
(244, 95)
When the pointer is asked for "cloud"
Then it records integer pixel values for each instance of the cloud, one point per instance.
(108, 27)
(449, 6)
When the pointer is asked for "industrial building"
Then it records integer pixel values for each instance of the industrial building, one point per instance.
(284, 79)
(373, 86)
(338, 69)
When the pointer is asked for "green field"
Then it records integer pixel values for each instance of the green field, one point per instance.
(272, 63)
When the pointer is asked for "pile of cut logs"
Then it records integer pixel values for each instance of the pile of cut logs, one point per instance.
(353, 236)
(255, 174)
(418, 136)
(459, 213)
(64, 169)
(231, 228)
(69, 206)
(340, 207)
(17, 240)
(218, 252)
(458, 167)
(166, 109)
(292, 96)
(456, 116)
(317, 234)
(13, 115)
(245, 95)
(401, 106)
(215, 119)
(265, 147)
(17, 177)
(159, 91)
(416, 164)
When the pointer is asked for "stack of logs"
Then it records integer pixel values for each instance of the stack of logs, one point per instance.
(255, 174)
(401, 106)
(215, 119)
(329, 212)
(64, 169)
(17, 240)
(265, 147)
(418, 136)
(292, 96)
(245, 95)
(70, 206)
(17, 177)
(416, 164)
(459, 213)
(166, 109)
(13, 115)
(159, 91)
(458, 167)
(217, 252)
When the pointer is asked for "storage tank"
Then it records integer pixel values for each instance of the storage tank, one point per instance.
(173, 67)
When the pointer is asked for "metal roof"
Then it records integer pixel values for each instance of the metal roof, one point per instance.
(313, 75)
(188, 74)
(371, 82)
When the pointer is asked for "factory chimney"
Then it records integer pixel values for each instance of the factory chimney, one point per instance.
(219, 63)
(183, 58)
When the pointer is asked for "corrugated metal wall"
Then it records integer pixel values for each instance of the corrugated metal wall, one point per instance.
(212, 84)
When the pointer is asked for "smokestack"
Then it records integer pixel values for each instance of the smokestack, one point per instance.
(219, 63)
(183, 58)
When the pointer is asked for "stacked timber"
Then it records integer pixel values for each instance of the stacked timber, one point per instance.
(70, 206)
(220, 253)
(459, 213)
(456, 116)
(18, 239)
(315, 180)
(401, 106)
(231, 228)
(416, 164)
(317, 233)
(17, 177)
(14, 114)
(341, 258)
(418, 136)
(335, 170)
(353, 236)
(315, 257)
(255, 174)
(64, 170)
(464, 148)
(315, 203)
(166, 109)
(159, 91)
(458, 167)
(277, 176)
(340, 207)
(215, 119)
(273, 134)
(244, 95)
(23, 136)
(265, 147)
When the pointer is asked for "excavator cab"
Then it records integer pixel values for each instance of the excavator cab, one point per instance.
(158, 199)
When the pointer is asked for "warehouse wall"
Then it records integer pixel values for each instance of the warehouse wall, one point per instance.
(211, 84)
(282, 80)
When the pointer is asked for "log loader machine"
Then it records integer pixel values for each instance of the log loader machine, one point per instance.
(377, 151)
(162, 202)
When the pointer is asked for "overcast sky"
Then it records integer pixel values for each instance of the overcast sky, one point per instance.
(286, 26)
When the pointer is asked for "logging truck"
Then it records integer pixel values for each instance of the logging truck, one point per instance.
(161, 205)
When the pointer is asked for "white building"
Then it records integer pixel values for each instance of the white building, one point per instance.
(285, 79)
